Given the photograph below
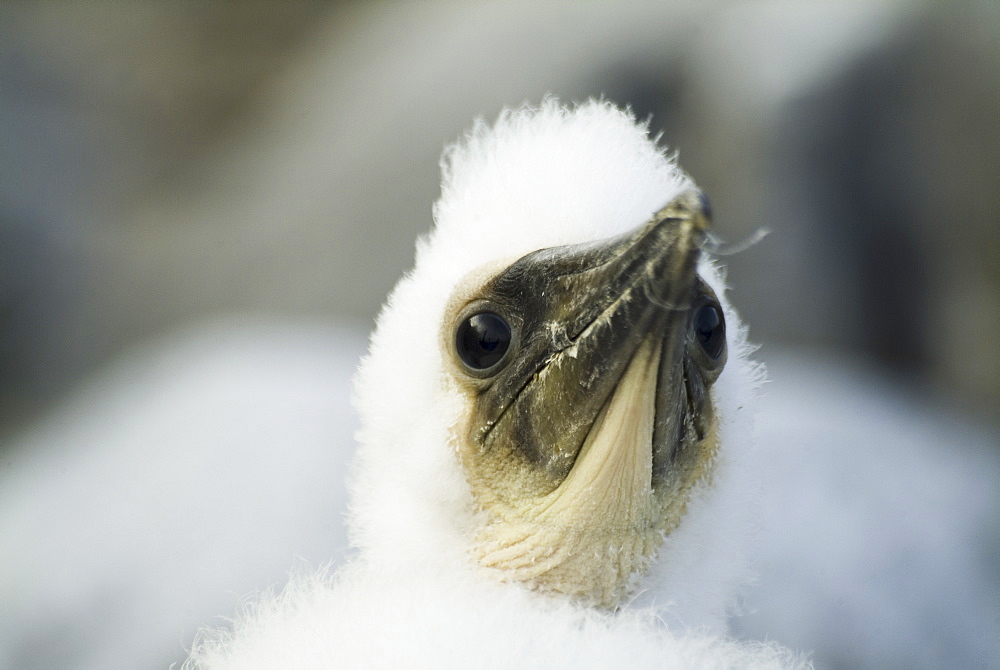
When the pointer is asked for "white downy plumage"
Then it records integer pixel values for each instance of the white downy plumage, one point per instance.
(412, 595)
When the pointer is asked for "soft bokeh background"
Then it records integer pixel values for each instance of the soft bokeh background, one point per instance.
(202, 207)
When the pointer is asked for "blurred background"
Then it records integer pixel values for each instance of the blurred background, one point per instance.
(203, 205)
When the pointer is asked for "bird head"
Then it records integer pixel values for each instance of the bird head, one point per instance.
(539, 398)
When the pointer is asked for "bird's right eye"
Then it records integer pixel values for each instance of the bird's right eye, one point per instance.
(710, 329)
(482, 340)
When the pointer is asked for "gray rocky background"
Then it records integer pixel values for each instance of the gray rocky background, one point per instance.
(164, 161)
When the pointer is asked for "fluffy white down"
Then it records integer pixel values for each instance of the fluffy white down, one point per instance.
(366, 619)
(538, 177)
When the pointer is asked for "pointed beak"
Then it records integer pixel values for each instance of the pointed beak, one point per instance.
(580, 314)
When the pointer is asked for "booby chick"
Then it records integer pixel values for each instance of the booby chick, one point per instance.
(554, 448)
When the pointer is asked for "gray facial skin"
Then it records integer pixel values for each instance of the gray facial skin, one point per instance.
(579, 313)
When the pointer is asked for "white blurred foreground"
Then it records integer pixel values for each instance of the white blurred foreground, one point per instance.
(881, 544)
(186, 476)
(206, 466)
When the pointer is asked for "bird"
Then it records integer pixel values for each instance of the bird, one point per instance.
(555, 456)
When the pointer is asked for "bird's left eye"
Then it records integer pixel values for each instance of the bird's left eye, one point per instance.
(710, 329)
(482, 340)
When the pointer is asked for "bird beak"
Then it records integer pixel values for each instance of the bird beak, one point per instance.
(585, 318)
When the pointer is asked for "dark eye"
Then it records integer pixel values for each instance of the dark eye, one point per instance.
(710, 329)
(482, 340)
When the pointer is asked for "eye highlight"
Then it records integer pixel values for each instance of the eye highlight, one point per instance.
(709, 328)
(482, 340)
